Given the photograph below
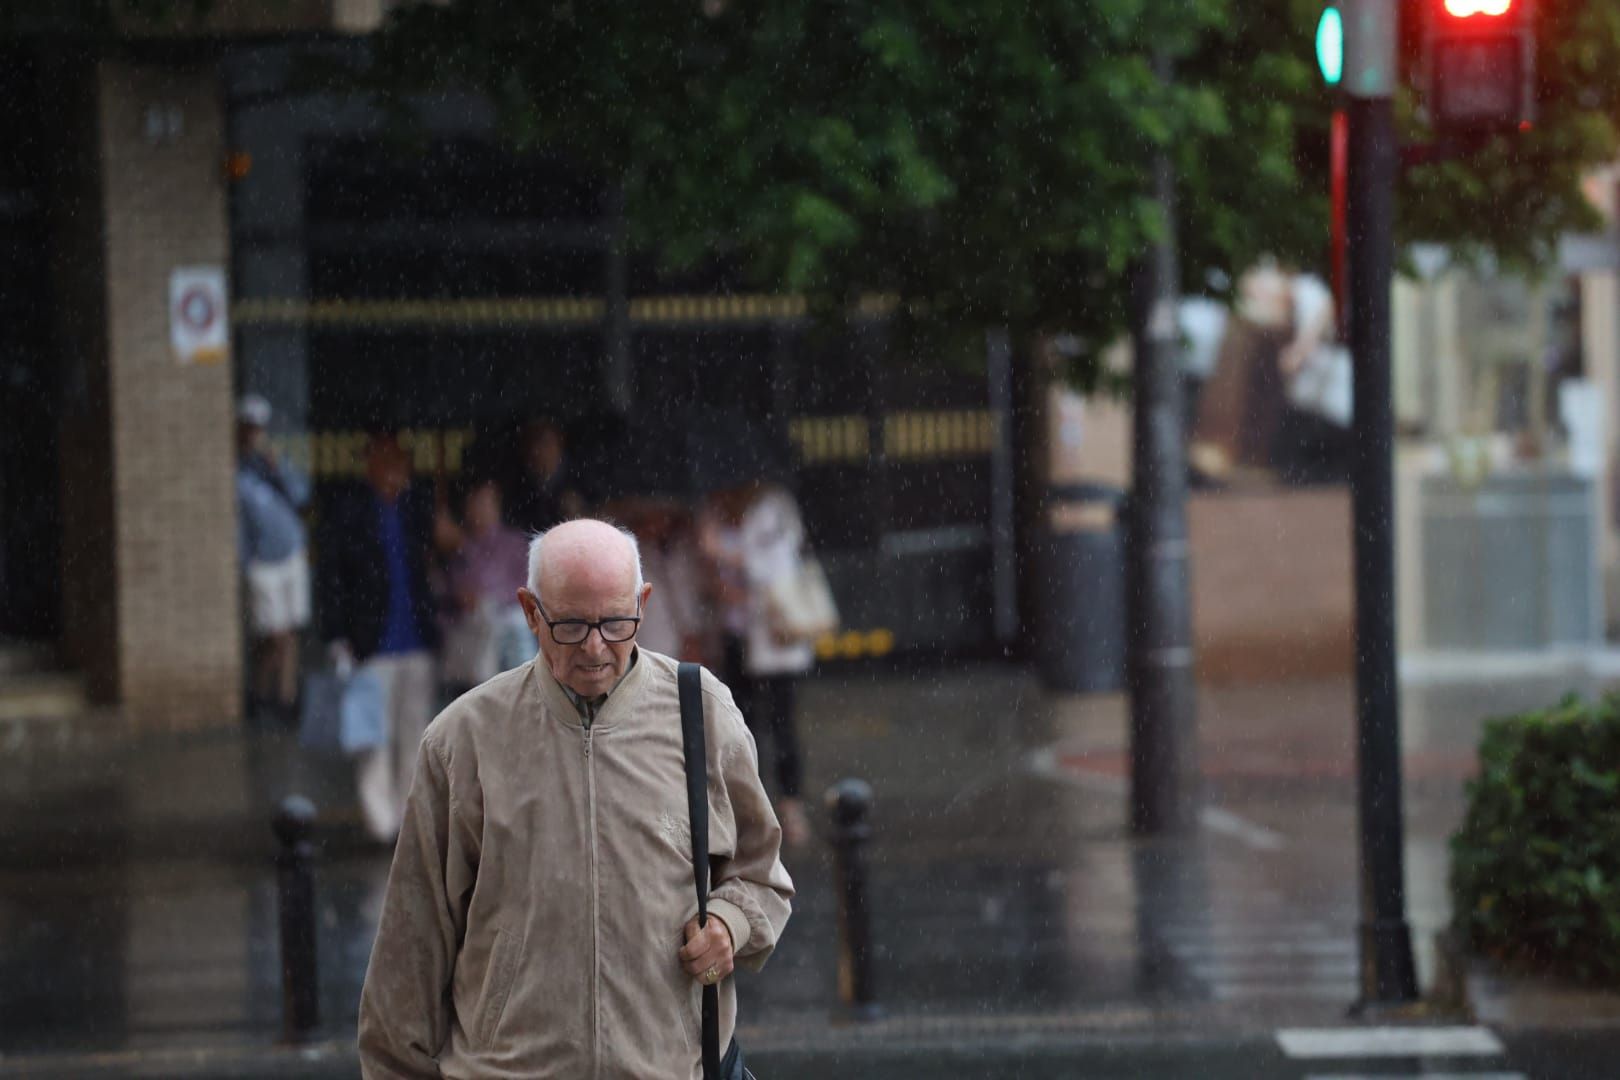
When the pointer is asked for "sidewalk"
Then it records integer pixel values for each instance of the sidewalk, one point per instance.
(1009, 901)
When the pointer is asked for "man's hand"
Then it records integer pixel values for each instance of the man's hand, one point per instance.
(706, 956)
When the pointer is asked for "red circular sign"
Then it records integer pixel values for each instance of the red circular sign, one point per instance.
(197, 309)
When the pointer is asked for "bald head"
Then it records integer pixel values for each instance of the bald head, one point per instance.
(587, 553)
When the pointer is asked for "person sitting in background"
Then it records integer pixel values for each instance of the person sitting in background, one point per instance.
(1242, 402)
(275, 561)
(485, 632)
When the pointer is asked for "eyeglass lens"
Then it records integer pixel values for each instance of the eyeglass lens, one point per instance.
(612, 630)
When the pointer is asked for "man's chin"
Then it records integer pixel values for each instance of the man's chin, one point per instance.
(588, 684)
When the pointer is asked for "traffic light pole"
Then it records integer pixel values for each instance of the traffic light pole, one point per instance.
(1388, 977)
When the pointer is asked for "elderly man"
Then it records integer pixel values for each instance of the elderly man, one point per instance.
(538, 920)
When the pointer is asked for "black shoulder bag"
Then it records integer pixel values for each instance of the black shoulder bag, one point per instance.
(690, 680)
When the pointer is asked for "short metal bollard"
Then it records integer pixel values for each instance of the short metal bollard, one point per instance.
(295, 898)
(850, 804)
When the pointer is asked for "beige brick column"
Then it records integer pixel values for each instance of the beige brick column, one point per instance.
(174, 526)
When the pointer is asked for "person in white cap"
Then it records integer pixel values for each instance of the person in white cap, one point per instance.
(275, 561)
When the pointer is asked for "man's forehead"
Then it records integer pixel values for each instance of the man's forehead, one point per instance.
(588, 571)
(565, 596)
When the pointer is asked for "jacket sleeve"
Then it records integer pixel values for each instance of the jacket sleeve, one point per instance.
(405, 1006)
(750, 891)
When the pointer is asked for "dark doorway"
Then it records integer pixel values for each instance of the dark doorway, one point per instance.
(30, 524)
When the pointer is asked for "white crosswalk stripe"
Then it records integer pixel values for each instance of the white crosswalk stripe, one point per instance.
(1376, 1042)
(1198, 950)
(1420, 1076)
(1383, 1044)
(1304, 960)
(1261, 990)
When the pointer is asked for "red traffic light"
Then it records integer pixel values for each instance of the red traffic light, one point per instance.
(1467, 9)
(1479, 60)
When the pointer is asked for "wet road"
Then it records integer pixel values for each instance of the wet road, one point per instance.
(1010, 901)
(1523, 1056)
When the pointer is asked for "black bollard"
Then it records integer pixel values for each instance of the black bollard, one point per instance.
(295, 898)
(850, 803)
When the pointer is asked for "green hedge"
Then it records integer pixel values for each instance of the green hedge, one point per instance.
(1535, 868)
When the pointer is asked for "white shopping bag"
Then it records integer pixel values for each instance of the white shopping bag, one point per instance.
(1325, 385)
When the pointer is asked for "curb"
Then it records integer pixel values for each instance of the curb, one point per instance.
(330, 1057)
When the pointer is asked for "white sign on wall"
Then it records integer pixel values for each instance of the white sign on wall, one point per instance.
(198, 327)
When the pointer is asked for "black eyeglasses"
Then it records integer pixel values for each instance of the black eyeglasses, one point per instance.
(619, 629)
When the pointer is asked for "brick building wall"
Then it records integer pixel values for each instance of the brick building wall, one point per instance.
(172, 425)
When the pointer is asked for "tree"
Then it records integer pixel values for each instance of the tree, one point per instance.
(989, 160)
(986, 160)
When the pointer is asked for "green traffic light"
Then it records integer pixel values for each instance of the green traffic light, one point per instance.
(1330, 45)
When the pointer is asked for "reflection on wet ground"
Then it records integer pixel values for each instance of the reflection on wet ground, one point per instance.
(137, 896)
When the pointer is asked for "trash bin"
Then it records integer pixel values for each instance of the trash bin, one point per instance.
(1082, 615)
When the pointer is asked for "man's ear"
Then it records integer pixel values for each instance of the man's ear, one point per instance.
(646, 591)
(531, 608)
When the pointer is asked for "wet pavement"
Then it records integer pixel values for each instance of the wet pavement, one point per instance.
(1011, 907)
(1559, 1055)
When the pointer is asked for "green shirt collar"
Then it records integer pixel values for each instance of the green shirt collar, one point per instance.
(589, 708)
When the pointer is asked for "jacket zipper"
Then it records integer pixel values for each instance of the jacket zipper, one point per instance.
(596, 989)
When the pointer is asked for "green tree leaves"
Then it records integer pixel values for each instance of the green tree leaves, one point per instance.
(988, 159)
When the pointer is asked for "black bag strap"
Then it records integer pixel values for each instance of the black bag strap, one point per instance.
(689, 678)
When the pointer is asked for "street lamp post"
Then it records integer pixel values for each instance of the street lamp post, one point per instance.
(1164, 762)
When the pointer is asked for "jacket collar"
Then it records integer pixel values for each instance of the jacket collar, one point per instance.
(620, 703)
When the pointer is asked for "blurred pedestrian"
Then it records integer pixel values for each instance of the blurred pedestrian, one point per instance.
(1242, 402)
(678, 624)
(546, 490)
(275, 562)
(378, 612)
(484, 629)
(752, 536)
(538, 915)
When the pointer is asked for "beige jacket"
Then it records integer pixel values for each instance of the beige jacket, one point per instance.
(542, 879)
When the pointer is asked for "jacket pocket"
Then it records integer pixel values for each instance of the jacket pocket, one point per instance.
(503, 964)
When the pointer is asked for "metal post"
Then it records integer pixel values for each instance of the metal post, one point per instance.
(850, 804)
(295, 898)
(1387, 973)
(1164, 771)
(1003, 485)
(618, 365)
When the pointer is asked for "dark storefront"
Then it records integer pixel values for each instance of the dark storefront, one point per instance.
(30, 527)
(453, 290)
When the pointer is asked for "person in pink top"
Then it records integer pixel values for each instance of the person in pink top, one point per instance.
(487, 564)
